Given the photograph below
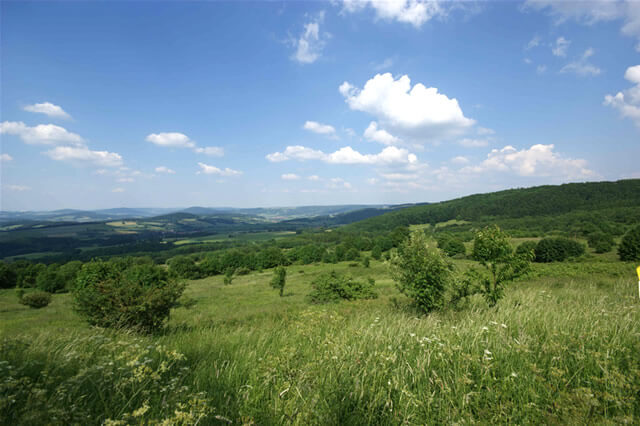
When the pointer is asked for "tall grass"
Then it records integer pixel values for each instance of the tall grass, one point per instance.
(563, 346)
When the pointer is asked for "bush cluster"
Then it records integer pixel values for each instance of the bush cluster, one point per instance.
(36, 299)
(629, 248)
(600, 242)
(124, 294)
(333, 287)
(451, 245)
(557, 249)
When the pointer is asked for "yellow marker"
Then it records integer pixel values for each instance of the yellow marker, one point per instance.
(638, 271)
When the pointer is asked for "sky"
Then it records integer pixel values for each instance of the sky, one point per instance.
(247, 104)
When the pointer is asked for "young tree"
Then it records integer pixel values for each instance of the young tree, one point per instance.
(279, 279)
(8, 278)
(629, 248)
(492, 249)
(376, 252)
(228, 276)
(421, 272)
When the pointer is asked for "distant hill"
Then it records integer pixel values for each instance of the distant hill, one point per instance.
(621, 197)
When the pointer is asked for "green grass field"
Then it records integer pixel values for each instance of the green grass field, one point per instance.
(563, 346)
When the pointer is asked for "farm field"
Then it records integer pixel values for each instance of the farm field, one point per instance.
(563, 346)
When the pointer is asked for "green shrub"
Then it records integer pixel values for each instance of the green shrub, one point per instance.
(117, 294)
(376, 252)
(243, 270)
(527, 247)
(452, 246)
(629, 248)
(228, 276)
(600, 242)
(557, 249)
(333, 287)
(279, 279)
(366, 262)
(421, 272)
(36, 299)
(8, 277)
(184, 267)
(50, 280)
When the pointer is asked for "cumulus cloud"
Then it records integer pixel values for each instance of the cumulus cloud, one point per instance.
(117, 190)
(290, 176)
(126, 180)
(163, 169)
(319, 128)
(170, 139)
(539, 160)
(42, 134)
(460, 160)
(83, 155)
(314, 178)
(628, 102)
(414, 12)
(372, 133)
(581, 66)
(308, 46)
(18, 188)
(473, 143)
(592, 12)
(417, 112)
(5, 157)
(346, 155)
(561, 47)
(49, 109)
(213, 170)
(534, 42)
(213, 151)
(338, 183)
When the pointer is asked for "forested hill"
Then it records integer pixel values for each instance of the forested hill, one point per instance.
(517, 203)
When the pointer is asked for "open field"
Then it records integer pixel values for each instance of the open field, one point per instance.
(563, 346)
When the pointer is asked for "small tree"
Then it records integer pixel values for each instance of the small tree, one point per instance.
(376, 252)
(8, 278)
(366, 262)
(421, 272)
(492, 249)
(228, 276)
(629, 248)
(279, 279)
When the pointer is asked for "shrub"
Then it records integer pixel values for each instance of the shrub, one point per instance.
(352, 254)
(366, 262)
(557, 249)
(184, 267)
(527, 247)
(629, 248)
(279, 279)
(114, 294)
(8, 277)
(452, 246)
(228, 276)
(421, 272)
(50, 280)
(600, 242)
(36, 299)
(333, 287)
(376, 252)
(243, 270)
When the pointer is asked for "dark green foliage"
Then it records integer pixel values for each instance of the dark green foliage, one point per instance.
(421, 272)
(26, 272)
(527, 247)
(68, 272)
(352, 254)
(279, 279)
(228, 276)
(50, 280)
(333, 287)
(492, 249)
(451, 245)
(184, 267)
(330, 257)
(600, 242)
(8, 277)
(243, 270)
(36, 299)
(124, 294)
(629, 248)
(366, 262)
(376, 252)
(271, 257)
(557, 249)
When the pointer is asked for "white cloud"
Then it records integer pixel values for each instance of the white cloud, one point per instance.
(527, 61)
(581, 66)
(372, 181)
(414, 12)
(473, 143)
(417, 112)
(346, 155)
(592, 12)
(539, 160)
(628, 102)
(18, 188)
(42, 134)
(541, 69)
(319, 128)
(314, 178)
(485, 131)
(387, 63)
(290, 176)
(212, 170)
(171, 139)
(561, 47)
(163, 169)
(83, 154)
(338, 183)
(399, 176)
(5, 157)
(126, 180)
(213, 151)
(460, 160)
(117, 190)
(372, 133)
(49, 109)
(534, 42)
(311, 42)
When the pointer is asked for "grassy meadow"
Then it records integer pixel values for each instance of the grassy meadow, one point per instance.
(563, 346)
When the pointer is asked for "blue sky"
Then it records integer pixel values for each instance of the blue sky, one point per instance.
(174, 104)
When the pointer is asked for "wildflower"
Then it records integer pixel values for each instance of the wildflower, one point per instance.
(503, 325)
(412, 334)
(514, 374)
(486, 352)
(485, 328)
